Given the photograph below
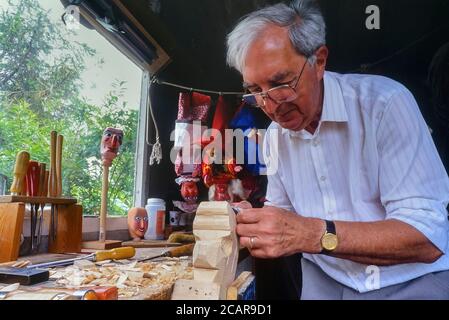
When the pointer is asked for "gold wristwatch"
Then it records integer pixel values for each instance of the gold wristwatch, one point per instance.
(329, 240)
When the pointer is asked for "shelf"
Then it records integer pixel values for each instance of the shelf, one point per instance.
(37, 200)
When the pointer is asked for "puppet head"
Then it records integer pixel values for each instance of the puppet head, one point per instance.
(110, 143)
(221, 189)
(189, 188)
(137, 223)
(221, 192)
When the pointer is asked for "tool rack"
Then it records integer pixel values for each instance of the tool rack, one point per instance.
(68, 229)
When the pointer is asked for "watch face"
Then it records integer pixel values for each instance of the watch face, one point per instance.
(329, 241)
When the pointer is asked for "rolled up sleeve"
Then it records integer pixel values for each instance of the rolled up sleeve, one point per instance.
(413, 183)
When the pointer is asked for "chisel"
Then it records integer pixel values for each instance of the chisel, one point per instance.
(42, 193)
(185, 250)
(113, 254)
(32, 181)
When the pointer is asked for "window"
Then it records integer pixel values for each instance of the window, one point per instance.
(73, 81)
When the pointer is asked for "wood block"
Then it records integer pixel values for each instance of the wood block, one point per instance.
(69, 230)
(214, 208)
(212, 223)
(215, 256)
(243, 288)
(100, 245)
(195, 290)
(211, 234)
(11, 224)
(208, 275)
(209, 255)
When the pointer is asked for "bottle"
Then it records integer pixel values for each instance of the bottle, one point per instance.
(156, 219)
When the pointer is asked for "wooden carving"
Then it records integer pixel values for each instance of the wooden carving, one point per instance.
(215, 255)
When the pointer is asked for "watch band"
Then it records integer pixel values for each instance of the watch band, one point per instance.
(330, 227)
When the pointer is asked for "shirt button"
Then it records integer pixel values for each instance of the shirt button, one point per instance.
(316, 143)
(323, 178)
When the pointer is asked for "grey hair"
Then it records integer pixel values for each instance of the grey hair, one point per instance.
(303, 18)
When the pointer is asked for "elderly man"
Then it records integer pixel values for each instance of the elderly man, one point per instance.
(360, 189)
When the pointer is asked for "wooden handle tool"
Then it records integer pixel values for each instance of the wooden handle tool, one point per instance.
(59, 143)
(113, 254)
(42, 167)
(52, 177)
(185, 250)
(32, 179)
(20, 170)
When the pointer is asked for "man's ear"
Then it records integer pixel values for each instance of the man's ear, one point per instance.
(321, 61)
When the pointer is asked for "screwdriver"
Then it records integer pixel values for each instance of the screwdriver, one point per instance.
(185, 250)
(113, 254)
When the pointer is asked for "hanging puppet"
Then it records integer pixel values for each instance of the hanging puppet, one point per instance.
(250, 181)
(193, 109)
(219, 166)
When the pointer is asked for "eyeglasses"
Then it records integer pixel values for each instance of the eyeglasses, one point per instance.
(280, 94)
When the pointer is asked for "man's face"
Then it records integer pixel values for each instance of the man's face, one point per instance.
(110, 143)
(137, 222)
(189, 192)
(272, 61)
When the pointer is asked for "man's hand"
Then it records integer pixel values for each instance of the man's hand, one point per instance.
(271, 232)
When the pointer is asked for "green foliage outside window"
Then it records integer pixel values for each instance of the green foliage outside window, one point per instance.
(40, 86)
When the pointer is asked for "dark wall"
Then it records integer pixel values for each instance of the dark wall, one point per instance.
(411, 33)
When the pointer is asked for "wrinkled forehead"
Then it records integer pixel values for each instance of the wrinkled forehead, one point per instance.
(113, 131)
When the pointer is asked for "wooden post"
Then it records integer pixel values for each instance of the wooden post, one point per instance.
(110, 142)
(104, 203)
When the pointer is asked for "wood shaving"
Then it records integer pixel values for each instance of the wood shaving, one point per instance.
(134, 280)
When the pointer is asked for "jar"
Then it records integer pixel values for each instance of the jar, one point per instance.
(156, 219)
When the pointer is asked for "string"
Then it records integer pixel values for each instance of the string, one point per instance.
(156, 151)
(197, 90)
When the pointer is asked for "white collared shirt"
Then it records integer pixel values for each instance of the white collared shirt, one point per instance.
(371, 158)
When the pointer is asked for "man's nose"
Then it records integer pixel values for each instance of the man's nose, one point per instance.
(114, 141)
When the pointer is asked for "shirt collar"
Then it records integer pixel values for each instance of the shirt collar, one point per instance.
(334, 109)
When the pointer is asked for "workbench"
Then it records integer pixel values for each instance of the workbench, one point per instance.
(163, 293)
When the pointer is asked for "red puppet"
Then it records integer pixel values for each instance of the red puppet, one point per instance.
(193, 109)
(218, 173)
